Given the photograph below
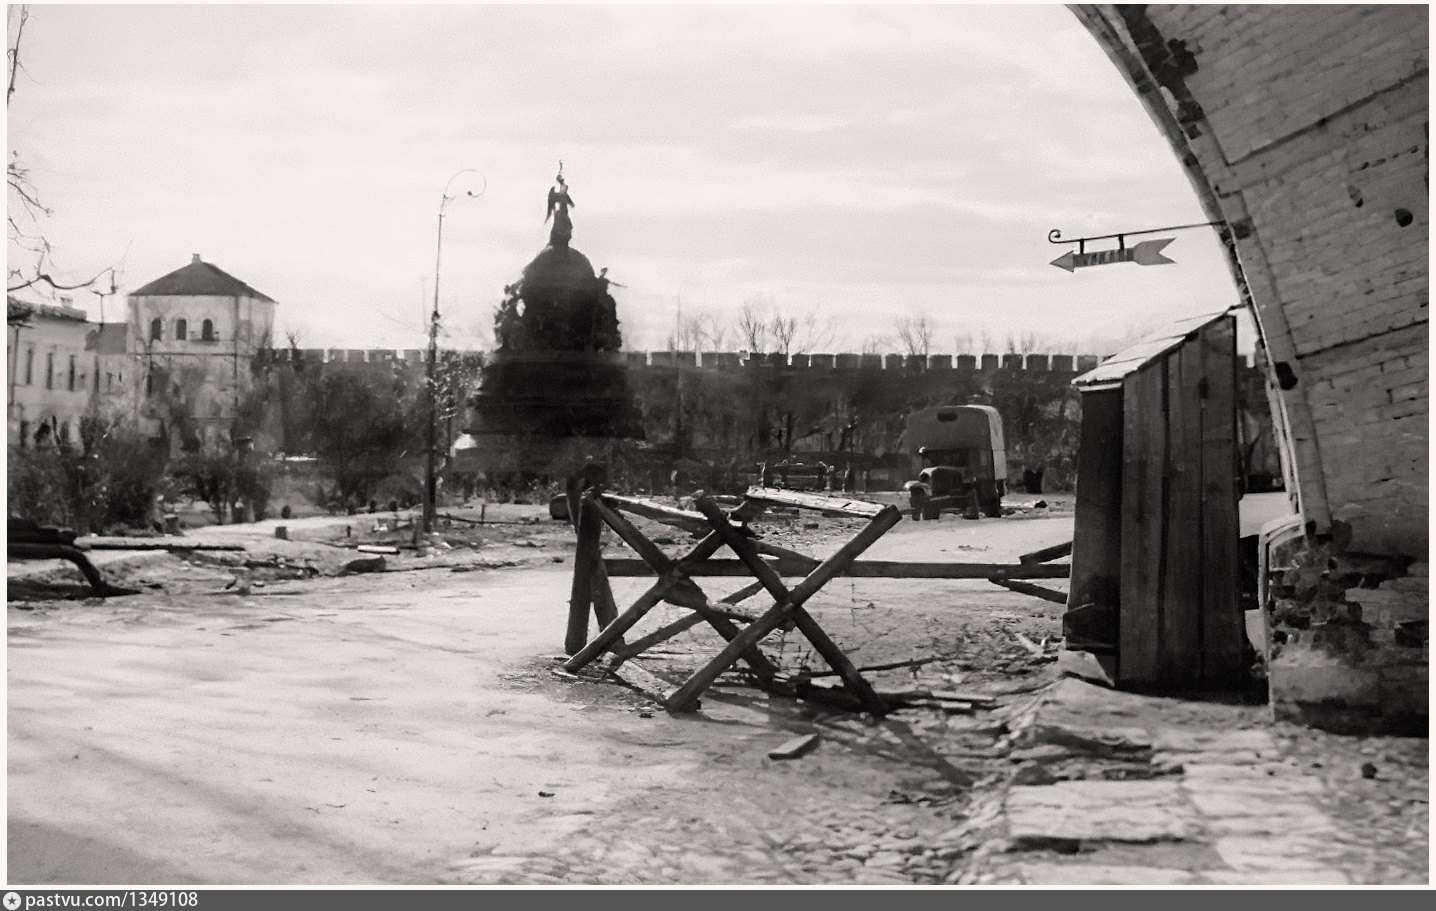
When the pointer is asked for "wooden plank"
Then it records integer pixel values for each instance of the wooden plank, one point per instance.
(1223, 625)
(1036, 591)
(641, 679)
(773, 496)
(622, 567)
(1180, 624)
(1143, 464)
(792, 749)
(1097, 526)
(1046, 554)
(658, 512)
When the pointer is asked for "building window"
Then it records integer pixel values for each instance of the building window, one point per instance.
(181, 329)
(206, 331)
(71, 384)
(30, 366)
(49, 370)
(96, 374)
(24, 434)
(157, 329)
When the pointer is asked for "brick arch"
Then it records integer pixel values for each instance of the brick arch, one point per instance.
(1304, 129)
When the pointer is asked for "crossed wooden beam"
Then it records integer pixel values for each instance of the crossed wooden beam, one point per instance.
(675, 585)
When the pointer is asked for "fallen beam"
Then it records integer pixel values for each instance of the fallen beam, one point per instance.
(859, 509)
(658, 512)
(872, 569)
(150, 544)
(1048, 553)
(1036, 591)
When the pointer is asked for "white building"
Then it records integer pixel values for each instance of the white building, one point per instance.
(194, 334)
(61, 369)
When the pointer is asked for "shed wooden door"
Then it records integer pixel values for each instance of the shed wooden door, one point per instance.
(1180, 620)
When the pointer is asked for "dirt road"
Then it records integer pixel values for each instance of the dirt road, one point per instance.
(406, 727)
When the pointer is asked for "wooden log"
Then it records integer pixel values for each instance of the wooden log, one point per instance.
(625, 621)
(640, 679)
(73, 554)
(772, 496)
(658, 512)
(664, 633)
(150, 544)
(619, 567)
(789, 556)
(1036, 591)
(1048, 553)
(792, 749)
(634, 538)
(789, 605)
(587, 561)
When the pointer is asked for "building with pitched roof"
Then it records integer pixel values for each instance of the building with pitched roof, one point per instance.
(194, 334)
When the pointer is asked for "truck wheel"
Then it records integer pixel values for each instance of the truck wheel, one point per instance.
(932, 512)
(918, 500)
(989, 500)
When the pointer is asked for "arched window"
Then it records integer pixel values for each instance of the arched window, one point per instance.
(181, 329)
(206, 331)
(157, 329)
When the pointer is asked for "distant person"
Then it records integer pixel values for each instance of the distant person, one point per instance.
(822, 475)
(850, 478)
(765, 474)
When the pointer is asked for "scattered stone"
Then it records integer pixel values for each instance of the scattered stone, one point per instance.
(1368, 770)
(363, 565)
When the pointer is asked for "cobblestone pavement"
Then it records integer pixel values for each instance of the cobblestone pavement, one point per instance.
(1117, 789)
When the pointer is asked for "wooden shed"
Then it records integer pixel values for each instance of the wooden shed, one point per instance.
(1155, 592)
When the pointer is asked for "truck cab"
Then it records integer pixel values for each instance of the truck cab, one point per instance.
(962, 457)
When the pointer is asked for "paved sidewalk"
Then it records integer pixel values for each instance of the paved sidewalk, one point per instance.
(1112, 788)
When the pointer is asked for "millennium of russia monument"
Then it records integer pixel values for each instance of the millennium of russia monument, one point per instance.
(556, 388)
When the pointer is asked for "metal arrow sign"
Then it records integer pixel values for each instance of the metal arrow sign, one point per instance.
(1146, 253)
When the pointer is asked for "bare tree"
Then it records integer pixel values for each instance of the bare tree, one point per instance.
(25, 210)
(813, 333)
(915, 331)
(877, 344)
(753, 325)
(784, 329)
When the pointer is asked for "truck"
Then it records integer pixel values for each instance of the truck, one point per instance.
(962, 458)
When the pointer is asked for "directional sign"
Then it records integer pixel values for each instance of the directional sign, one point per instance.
(1146, 253)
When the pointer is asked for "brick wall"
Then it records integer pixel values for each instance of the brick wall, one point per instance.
(1305, 128)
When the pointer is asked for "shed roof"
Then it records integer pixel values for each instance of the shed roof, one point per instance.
(1129, 360)
(199, 279)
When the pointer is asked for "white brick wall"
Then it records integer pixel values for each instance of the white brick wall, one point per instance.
(1306, 111)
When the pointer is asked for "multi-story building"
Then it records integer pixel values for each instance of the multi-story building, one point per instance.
(62, 368)
(194, 334)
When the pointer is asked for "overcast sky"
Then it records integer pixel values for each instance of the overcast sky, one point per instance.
(859, 163)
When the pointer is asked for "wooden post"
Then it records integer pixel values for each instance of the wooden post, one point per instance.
(587, 562)
(789, 605)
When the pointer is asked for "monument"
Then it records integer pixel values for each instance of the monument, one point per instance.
(556, 374)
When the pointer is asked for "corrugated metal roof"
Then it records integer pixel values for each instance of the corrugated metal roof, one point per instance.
(1128, 360)
(199, 279)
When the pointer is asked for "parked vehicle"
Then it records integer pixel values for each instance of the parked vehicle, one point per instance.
(965, 459)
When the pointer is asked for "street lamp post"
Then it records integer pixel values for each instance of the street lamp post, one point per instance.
(430, 483)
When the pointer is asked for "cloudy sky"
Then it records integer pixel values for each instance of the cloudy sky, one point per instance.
(855, 163)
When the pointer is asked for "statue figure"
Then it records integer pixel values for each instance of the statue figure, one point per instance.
(559, 202)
